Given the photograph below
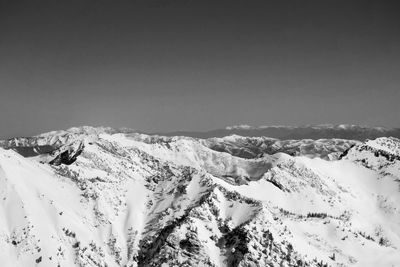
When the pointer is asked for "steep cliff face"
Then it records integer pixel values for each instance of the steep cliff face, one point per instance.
(67, 154)
(126, 199)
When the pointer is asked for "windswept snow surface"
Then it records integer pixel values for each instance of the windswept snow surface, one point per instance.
(130, 199)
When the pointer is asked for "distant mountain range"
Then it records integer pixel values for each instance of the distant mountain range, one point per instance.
(325, 131)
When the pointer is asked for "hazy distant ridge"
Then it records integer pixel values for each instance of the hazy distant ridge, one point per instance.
(351, 132)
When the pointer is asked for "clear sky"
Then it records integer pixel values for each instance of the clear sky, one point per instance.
(166, 65)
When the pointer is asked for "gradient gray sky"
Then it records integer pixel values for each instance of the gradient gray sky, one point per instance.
(166, 65)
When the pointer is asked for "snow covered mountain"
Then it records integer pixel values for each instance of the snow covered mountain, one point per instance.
(252, 147)
(105, 197)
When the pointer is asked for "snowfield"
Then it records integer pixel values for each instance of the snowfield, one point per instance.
(102, 197)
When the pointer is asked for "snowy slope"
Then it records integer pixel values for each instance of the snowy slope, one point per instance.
(106, 198)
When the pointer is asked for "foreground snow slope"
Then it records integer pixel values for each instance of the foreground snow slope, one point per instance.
(124, 199)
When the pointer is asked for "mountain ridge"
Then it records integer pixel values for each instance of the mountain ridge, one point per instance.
(108, 198)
